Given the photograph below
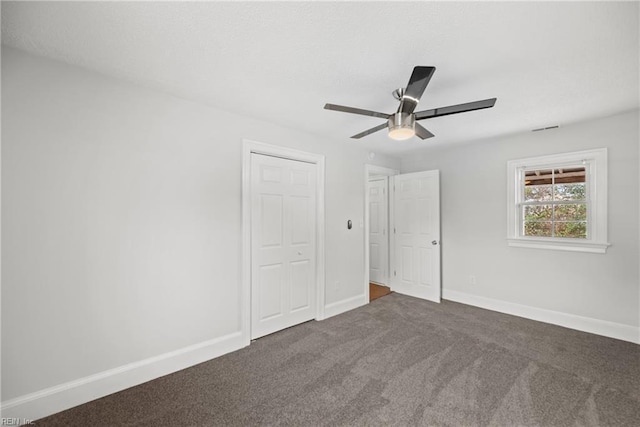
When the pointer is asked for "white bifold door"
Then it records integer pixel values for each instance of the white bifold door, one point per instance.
(378, 233)
(283, 243)
(416, 238)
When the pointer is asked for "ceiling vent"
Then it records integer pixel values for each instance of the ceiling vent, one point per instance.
(547, 128)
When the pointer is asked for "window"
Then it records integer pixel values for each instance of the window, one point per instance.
(559, 202)
(554, 202)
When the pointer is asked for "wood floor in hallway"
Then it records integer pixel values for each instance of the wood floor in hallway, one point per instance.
(377, 291)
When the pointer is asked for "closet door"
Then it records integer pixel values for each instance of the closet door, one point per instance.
(283, 246)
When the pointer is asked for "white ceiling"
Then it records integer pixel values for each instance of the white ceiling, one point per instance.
(547, 63)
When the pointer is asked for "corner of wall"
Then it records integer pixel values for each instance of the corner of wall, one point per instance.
(343, 306)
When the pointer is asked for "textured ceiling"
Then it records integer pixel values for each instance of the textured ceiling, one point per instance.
(547, 63)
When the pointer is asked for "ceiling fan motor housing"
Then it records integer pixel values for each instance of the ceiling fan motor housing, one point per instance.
(401, 125)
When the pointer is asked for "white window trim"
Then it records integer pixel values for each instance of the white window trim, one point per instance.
(596, 162)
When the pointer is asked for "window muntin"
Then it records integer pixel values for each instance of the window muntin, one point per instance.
(554, 202)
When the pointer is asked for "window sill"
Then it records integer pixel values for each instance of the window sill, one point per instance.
(560, 245)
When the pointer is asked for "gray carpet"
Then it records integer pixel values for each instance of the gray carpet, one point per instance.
(398, 361)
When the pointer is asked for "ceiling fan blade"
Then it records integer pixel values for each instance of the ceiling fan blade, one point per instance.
(369, 131)
(423, 133)
(417, 84)
(355, 111)
(455, 109)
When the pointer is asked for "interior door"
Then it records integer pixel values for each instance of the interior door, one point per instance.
(416, 239)
(283, 243)
(378, 233)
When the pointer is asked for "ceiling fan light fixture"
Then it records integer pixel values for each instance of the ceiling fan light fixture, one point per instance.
(401, 126)
(401, 133)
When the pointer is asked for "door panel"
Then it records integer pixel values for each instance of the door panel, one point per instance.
(300, 178)
(270, 281)
(283, 243)
(406, 223)
(425, 266)
(300, 226)
(416, 265)
(300, 294)
(378, 233)
(374, 218)
(374, 256)
(270, 174)
(272, 218)
(425, 206)
(406, 266)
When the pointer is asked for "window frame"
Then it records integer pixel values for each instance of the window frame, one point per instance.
(595, 163)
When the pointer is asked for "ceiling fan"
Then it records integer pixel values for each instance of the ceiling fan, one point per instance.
(402, 124)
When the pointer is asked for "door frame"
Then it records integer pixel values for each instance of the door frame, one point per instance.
(254, 147)
(369, 172)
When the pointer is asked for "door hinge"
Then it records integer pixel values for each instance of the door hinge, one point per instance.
(394, 230)
(394, 272)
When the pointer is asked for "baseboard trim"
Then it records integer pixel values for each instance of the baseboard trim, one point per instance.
(571, 321)
(340, 307)
(73, 393)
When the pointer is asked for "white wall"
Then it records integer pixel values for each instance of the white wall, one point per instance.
(473, 196)
(121, 219)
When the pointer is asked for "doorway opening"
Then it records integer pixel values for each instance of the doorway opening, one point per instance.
(413, 237)
(378, 291)
(378, 181)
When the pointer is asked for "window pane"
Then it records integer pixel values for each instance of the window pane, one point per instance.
(538, 213)
(538, 193)
(570, 191)
(572, 229)
(571, 212)
(569, 175)
(537, 228)
(538, 177)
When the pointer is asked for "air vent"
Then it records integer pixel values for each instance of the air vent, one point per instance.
(547, 128)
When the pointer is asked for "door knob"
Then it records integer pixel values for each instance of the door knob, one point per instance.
(434, 242)
(299, 253)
